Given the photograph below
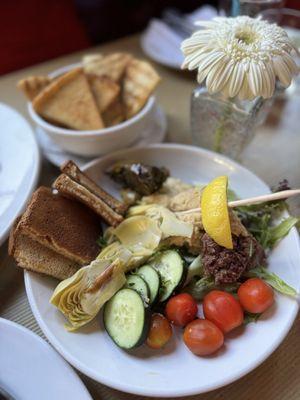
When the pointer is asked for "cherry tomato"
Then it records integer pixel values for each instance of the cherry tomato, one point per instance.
(223, 309)
(203, 337)
(255, 295)
(160, 331)
(181, 309)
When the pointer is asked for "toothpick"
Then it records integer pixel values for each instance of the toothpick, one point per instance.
(284, 194)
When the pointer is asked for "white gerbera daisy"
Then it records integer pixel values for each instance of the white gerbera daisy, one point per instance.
(240, 56)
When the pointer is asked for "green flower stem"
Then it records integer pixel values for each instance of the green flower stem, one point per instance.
(219, 132)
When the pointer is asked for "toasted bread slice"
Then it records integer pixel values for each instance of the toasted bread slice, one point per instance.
(62, 225)
(33, 85)
(139, 82)
(70, 168)
(105, 91)
(112, 65)
(71, 189)
(114, 114)
(68, 101)
(31, 255)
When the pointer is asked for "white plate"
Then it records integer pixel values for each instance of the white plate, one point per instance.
(32, 370)
(57, 156)
(19, 166)
(174, 371)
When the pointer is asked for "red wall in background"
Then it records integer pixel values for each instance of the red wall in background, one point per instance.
(32, 31)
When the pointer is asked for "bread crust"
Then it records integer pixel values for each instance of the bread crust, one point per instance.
(70, 168)
(71, 189)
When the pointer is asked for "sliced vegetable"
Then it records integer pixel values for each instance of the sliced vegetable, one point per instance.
(181, 309)
(223, 310)
(167, 221)
(172, 271)
(126, 319)
(202, 337)
(160, 331)
(255, 295)
(272, 279)
(136, 282)
(81, 296)
(139, 234)
(151, 276)
(195, 269)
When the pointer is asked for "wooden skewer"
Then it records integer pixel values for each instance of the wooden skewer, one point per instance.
(284, 194)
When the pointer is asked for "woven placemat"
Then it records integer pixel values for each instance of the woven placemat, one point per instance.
(276, 379)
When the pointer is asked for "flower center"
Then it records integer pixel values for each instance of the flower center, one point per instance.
(246, 36)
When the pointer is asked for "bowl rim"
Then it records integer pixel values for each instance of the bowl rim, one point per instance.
(94, 132)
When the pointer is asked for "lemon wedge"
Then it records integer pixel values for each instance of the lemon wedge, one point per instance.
(214, 210)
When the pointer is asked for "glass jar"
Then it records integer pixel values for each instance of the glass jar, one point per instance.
(225, 125)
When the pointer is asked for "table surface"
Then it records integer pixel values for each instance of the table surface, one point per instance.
(272, 155)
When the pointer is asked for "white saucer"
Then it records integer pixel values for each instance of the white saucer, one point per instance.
(155, 134)
(32, 370)
(19, 166)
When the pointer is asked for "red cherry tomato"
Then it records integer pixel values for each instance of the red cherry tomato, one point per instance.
(223, 309)
(203, 337)
(160, 331)
(255, 295)
(181, 309)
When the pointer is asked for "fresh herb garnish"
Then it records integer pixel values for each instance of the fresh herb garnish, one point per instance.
(258, 219)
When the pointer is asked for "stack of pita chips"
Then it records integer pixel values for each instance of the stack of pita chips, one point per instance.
(105, 91)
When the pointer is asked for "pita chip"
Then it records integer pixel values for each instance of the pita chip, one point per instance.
(113, 65)
(114, 114)
(68, 102)
(105, 91)
(139, 82)
(33, 85)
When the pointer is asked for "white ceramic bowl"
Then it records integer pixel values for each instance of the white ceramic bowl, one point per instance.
(100, 141)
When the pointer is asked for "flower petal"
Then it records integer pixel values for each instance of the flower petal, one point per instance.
(236, 80)
(282, 71)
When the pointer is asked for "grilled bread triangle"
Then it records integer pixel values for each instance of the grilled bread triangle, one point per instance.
(33, 85)
(104, 89)
(112, 65)
(139, 82)
(68, 101)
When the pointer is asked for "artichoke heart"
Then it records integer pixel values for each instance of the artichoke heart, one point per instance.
(81, 296)
(137, 233)
(167, 221)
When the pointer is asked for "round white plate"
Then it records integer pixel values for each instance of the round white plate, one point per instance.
(19, 166)
(175, 371)
(32, 370)
(57, 156)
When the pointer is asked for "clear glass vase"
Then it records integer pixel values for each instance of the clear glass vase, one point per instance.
(225, 125)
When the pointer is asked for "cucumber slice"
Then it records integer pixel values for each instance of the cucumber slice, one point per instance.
(172, 270)
(152, 278)
(194, 269)
(137, 283)
(126, 320)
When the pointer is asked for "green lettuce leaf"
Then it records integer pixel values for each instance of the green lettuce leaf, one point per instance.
(273, 280)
